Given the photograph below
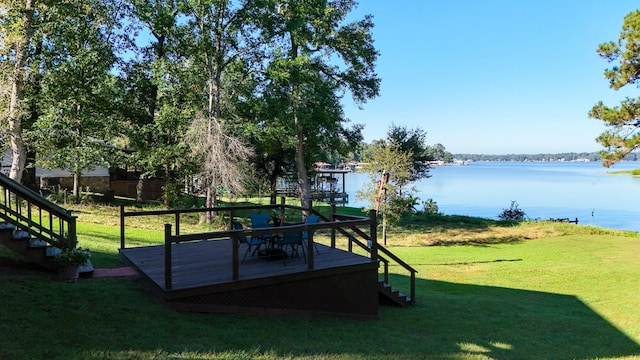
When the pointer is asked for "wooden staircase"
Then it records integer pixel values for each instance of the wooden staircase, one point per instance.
(32, 249)
(387, 295)
(34, 227)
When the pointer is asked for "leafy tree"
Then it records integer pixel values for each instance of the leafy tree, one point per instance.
(274, 151)
(438, 152)
(390, 169)
(412, 141)
(158, 103)
(221, 34)
(78, 91)
(16, 31)
(623, 121)
(317, 58)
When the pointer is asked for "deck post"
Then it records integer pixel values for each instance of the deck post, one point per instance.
(73, 235)
(333, 219)
(413, 287)
(121, 226)
(167, 257)
(373, 221)
(235, 266)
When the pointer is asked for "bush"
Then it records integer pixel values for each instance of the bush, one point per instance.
(430, 207)
(512, 213)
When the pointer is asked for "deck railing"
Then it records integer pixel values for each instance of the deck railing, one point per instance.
(349, 226)
(372, 247)
(31, 212)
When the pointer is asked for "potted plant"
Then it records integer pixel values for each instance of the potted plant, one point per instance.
(275, 218)
(69, 261)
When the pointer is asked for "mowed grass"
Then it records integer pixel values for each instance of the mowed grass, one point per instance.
(490, 290)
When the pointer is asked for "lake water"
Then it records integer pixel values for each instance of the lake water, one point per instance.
(543, 190)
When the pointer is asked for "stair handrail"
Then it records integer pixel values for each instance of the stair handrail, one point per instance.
(380, 249)
(60, 231)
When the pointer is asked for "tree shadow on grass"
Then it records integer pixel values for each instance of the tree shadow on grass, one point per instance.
(449, 321)
(504, 323)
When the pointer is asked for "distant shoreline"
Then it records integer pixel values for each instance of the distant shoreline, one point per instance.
(548, 157)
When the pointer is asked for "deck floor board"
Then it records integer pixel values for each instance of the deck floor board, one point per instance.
(203, 263)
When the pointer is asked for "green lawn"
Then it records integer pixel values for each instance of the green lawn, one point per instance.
(566, 297)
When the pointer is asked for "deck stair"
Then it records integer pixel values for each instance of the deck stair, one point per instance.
(391, 296)
(21, 242)
(32, 249)
(34, 227)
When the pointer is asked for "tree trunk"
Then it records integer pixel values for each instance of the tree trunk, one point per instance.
(210, 203)
(18, 152)
(76, 185)
(140, 190)
(303, 181)
(273, 191)
(384, 228)
(167, 184)
(304, 187)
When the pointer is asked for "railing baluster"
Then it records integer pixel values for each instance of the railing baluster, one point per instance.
(29, 221)
(235, 266)
(18, 199)
(121, 226)
(177, 223)
(167, 257)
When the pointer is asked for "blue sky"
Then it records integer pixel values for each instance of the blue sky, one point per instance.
(492, 76)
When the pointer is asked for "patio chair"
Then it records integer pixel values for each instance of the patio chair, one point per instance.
(292, 240)
(244, 240)
(311, 219)
(261, 221)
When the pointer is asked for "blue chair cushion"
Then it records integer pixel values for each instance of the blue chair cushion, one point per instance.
(259, 220)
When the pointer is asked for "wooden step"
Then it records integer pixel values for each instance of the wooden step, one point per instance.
(7, 226)
(391, 296)
(21, 242)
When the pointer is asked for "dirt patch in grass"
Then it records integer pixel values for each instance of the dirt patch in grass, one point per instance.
(447, 230)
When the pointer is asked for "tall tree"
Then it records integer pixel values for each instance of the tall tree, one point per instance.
(623, 121)
(412, 141)
(16, 30)
(318, 58)
(390, 170)
(158, 105)
(77, 89)
(221, 33)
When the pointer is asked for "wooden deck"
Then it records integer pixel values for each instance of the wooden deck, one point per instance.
(340, 283)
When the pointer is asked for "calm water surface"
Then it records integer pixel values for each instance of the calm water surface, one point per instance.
(586, 191)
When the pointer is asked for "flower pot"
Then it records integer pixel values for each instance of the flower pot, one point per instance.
(69, 273)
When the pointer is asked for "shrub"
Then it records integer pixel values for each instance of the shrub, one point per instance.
(512, 213)
(430, 207)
